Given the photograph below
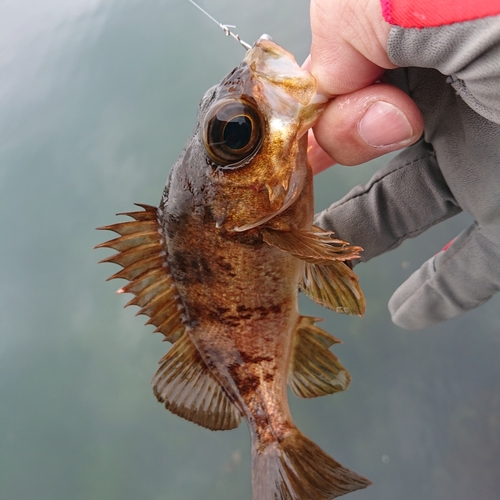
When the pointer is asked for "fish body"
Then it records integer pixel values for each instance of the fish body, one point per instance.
(218, 265)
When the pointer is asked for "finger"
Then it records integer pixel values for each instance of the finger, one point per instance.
(457, 279)
(349, 44)
(318, 158)
(368, 123)
(401, 201)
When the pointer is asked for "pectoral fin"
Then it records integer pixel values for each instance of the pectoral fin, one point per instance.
(334, 286)
(327, 279)
(142, 255)
(315, 370)
(315, 246)
(187, 388)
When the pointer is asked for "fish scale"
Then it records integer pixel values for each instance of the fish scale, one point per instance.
(218, 265)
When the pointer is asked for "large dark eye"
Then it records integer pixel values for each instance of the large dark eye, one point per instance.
(232, 132)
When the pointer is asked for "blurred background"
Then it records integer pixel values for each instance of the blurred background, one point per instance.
(97, 100)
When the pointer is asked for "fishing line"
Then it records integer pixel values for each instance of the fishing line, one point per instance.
(224, 27)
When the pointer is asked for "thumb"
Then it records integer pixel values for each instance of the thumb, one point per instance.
(463, 276)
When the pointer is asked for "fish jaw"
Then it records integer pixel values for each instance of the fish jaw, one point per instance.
(291, 91)
(247, 195)
(271, 62)
(292, 105)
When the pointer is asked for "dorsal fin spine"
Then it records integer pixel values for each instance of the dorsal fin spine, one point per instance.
(141, 251)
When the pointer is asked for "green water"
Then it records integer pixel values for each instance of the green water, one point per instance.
(97, 100)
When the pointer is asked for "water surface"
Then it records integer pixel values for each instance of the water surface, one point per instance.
(97, 100)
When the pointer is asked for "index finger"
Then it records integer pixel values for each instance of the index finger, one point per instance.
(349, 44)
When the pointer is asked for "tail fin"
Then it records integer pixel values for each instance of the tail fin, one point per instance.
(298, 469)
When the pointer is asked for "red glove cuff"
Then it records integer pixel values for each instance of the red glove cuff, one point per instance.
(433, 13)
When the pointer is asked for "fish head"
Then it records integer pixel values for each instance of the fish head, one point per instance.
(252, 157)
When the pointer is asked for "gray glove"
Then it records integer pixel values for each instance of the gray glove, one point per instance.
(454, 167)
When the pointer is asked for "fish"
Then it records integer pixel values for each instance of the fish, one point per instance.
(218, 265)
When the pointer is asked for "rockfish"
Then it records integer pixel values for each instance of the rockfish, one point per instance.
(218, 265)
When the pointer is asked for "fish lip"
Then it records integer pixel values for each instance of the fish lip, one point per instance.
(265, 36)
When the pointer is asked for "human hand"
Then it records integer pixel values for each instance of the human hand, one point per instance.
(348, 55)
(456, 165)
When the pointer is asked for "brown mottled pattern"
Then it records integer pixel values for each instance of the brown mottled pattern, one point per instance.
(233, 288)
(240, 299)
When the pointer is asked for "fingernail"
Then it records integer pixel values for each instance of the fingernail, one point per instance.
(384, 125)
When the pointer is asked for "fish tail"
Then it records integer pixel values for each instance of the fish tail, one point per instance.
(298, 469)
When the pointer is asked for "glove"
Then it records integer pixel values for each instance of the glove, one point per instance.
(454, 167)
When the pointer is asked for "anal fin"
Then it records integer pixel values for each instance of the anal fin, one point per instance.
(188, 389)
(315, 370)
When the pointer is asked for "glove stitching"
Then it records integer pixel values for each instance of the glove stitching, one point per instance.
(376, 181)
(416, 231)
(409, 234)
(447, 257)
(443, 289)
(432, 282)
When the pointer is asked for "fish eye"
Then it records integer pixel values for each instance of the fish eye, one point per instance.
(232, 132)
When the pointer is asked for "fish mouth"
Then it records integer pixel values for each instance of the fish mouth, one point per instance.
(271, 63)
(292, 105)
(265, 36)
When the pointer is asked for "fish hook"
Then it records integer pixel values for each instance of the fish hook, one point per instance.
(224, 27)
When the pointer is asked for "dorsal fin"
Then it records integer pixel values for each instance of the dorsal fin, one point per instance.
(187, 388)
(142, 254)
(314, 369)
